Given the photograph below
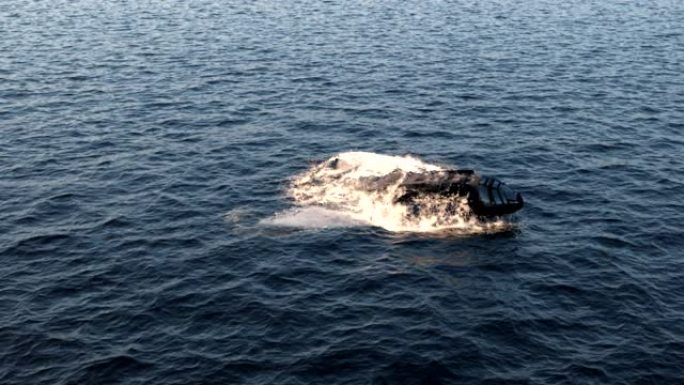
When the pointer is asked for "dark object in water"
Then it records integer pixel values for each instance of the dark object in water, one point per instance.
(487, 196)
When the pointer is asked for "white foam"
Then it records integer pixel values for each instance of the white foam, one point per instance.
(312, 217)
(335, 193)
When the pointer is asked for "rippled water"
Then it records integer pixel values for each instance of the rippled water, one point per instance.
(143, 143)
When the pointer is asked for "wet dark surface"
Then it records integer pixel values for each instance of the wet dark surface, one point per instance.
(142, 142)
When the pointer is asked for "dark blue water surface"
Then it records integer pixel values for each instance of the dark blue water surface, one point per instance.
(141, 143)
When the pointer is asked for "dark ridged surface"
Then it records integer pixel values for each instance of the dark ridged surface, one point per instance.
(141, 142)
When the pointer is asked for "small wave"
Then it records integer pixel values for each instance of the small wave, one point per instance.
(360, 189)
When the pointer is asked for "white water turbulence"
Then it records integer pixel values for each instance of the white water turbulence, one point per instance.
(360, 188)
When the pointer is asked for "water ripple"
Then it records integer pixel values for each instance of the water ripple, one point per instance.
(143, 143)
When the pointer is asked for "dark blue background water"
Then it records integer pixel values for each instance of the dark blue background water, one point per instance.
(142, 141)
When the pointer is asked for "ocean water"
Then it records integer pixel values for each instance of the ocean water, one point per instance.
(147, 149)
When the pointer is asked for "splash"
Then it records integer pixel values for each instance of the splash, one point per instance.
(360, 188)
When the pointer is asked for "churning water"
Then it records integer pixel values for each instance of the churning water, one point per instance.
(157, 226)
(337, 193)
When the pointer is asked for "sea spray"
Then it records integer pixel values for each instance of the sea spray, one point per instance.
(343, 191)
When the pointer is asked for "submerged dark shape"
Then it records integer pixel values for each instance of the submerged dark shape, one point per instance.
(487, 196)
